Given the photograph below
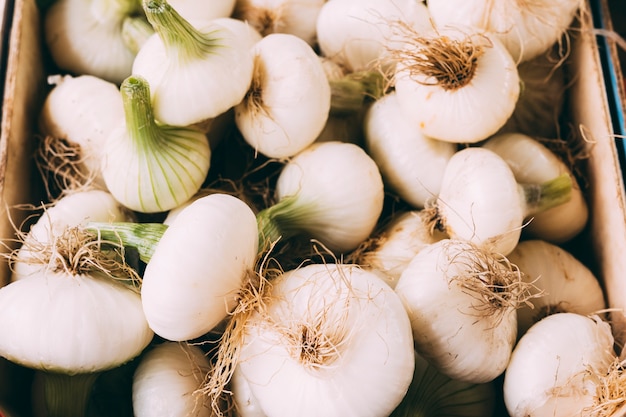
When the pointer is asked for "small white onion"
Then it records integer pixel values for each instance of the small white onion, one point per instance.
(289, 99)
(527, 28)
(358, 34)
(412, 164)
(557, 367)
(200, 263)
(167, 380)
(463, 322)
(334, 340)
(563, 282)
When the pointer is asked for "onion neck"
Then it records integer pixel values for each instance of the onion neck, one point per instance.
(544, 196)
(140, 124)
(143, 237)
(349, 93)
(177, 34)
(67, 395)
(282, 221)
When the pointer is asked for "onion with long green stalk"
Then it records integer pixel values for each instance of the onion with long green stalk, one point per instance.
(526, 28)
(332, 192)
(215, 242)
(412, 164)
(462, 302)
(148, 166)
(325, 340)
(561, 281)
(86, 37)
(565, 365)
(289, 99)
(533, 162)
(195, 74)
(457, 85)
(481, 201)
(79, 314)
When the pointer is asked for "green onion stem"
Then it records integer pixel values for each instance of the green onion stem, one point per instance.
(283, 220)
(144, 237)
(139, 116)
(67, 395)
(178, 35)
(541, 197)
(349, 93)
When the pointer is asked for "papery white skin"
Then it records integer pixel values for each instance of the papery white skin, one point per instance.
(411, 163)
(295, 17)
(470, 113)
(83, 110)
(374, 364)
(71, 210)
(526, 28)
(557, 365)
(397, 244)
(85, 37)
(194, 276)
(167, 380)
(339, 187)
(533, 162)
(480, 201)
(69, 323)
(294, 100)
(133, 182)
(245, 402)
(563, 281)
(358, 34)
(182, 93)
(457, 331)
(202, 10)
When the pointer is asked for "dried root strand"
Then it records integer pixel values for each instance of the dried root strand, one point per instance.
(495, 282)
(76, 252)
(60, 164)
(439, 60)
(611, 390)
(253, 298)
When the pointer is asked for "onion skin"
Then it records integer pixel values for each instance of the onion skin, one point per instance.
(166, 380)
(563, 282)
(76, 324)
(533, 162)
(369, 372)
(215, 242)
(456, 329)
(526, 28)
(556, 366)
(475, 108)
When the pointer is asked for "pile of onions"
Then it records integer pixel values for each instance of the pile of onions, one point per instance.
(310, 208)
